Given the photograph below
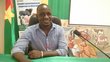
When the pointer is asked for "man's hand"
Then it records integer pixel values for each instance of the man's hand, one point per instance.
(35, 54)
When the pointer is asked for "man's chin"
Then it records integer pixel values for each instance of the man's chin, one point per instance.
(46, 24)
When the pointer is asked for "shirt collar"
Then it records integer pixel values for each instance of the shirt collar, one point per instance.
(53, 26)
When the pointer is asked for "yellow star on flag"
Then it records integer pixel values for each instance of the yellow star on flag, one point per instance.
(9, 14)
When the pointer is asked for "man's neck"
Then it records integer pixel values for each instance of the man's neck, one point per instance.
(46, 29)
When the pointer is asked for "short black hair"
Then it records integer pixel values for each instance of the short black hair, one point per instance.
(41, 5)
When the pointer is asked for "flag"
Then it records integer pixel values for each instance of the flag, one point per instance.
(10, 27)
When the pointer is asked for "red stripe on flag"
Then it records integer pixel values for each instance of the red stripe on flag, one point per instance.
(8, 3)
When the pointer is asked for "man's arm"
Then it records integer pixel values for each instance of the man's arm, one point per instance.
(20, 57)
(38, 54)
(19, 48)
(50, 53)
(62, 45)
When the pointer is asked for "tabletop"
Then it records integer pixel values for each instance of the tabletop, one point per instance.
(8, 58)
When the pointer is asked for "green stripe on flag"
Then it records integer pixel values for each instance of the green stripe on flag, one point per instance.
(10, 28)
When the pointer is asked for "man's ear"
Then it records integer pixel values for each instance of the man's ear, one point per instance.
(36, 15)
(37, 18)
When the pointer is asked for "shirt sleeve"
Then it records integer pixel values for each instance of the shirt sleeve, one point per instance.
(62, 45)
(22, 42)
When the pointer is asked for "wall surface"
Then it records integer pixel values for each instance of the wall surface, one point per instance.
(44, 1)
(2, 9)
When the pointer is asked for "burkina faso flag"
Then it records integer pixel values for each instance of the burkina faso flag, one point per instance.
(10, 27)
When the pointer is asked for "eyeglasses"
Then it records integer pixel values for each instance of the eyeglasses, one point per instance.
(44, 14)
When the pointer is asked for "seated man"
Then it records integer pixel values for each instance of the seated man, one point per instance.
(45, 37)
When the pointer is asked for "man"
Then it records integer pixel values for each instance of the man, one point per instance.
(46, 38)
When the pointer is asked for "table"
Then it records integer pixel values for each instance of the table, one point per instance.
(8, 58)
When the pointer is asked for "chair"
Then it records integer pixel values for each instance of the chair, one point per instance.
(34, 20)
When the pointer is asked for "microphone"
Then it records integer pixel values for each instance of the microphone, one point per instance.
(79, 35)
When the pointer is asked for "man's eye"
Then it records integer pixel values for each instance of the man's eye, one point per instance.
(48, 14)
(42, 14)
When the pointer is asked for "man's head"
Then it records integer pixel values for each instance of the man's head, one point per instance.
(44, 15)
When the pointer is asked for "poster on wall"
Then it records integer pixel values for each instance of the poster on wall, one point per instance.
(80, 47)
(24, 10)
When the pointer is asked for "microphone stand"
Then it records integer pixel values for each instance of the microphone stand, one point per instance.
(79, 34)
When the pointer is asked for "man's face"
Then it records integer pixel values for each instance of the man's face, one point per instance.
(44, 16)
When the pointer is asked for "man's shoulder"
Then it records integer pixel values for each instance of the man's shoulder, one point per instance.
(58, 26)
(32, 27)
